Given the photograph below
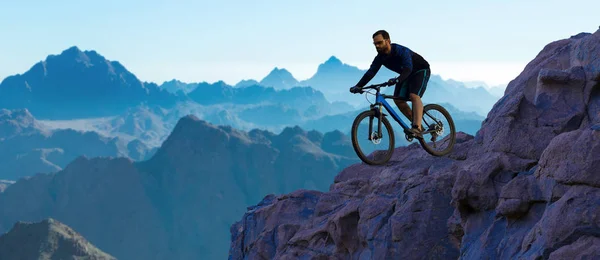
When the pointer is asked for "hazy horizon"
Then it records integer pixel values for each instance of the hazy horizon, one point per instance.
(199, 41)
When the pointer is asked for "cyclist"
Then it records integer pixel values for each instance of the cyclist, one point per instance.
(414, 73)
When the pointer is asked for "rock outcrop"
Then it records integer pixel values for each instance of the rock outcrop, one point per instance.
(526, 186)
(47, 239)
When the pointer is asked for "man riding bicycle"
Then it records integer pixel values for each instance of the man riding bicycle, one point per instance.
(410, 85)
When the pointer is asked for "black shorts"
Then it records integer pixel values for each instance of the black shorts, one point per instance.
(415, 83)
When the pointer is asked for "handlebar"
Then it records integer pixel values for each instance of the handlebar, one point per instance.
(377, 86)
(385, 84)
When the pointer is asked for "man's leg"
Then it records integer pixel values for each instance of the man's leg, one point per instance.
(404, 108)
(401, 91)
(418, 84)
(417, 106)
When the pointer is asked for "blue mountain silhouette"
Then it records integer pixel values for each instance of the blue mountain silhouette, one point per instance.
(334, 78)
(78, 84)
(279, 79)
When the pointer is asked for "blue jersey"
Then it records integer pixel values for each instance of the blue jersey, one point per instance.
(401, 60)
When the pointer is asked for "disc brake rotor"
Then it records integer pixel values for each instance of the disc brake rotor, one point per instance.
(375, 138)
(439, 129)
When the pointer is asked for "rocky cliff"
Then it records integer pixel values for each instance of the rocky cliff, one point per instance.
(526, 186)
(47, 239)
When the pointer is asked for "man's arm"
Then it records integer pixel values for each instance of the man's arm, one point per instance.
(368, 76)
(407, 65)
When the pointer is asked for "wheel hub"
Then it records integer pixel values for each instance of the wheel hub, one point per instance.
(375, 138)
(439, 129)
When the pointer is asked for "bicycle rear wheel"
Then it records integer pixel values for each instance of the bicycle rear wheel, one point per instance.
(437, 122)
(366, 138)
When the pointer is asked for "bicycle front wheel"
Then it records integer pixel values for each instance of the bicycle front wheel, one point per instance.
(439, 130)
(373, 144)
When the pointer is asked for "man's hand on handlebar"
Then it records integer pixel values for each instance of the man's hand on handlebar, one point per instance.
(356, 89)
(392, 81)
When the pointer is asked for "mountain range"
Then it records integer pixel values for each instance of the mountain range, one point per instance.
(135, 127)
(334, 78)
(180, 203)
(84, 84)
(28, 146)
(78, 84)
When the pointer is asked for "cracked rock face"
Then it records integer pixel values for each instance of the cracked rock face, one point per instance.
(396, 211)
(526, 186)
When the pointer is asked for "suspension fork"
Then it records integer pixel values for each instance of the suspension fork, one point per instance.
(379, 135)
(370, 125)
(379, 113)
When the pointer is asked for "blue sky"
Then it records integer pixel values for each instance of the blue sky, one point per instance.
(233, 40)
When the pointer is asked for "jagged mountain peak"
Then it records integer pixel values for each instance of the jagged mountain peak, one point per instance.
(279, 78)
(246, 83)
(88, 58)
(333, 60)
(47, 239)
(77, 84)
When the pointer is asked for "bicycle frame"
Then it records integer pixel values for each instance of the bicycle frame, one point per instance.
(380, 102)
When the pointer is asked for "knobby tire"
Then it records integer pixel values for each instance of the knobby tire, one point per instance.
(385, 124)
(451, 127)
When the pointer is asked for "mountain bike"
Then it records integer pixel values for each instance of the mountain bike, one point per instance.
(434, 125)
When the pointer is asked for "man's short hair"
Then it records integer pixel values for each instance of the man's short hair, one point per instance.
(383, 33)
